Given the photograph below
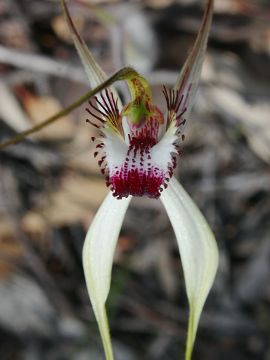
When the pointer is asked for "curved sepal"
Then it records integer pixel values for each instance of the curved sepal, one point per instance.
(98, 254)
(188, 80)
(94, 72)
(198, 251)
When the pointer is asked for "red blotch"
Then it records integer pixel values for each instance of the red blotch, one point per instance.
(136, 183)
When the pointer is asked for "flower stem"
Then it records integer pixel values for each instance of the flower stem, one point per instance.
(122, 74)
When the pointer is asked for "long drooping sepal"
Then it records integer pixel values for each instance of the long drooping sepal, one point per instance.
(198, 251)
(187, 82)
(98, 254)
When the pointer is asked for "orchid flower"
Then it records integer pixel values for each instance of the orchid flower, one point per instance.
(138, 147)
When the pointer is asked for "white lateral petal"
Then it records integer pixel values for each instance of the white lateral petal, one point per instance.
(98, 252)
(198, 251)
(188, 79)
(94, 72)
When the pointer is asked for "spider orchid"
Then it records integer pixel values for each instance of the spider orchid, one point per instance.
(138, 148)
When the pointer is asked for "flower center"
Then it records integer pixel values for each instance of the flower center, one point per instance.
(138, 176)
(138, 149)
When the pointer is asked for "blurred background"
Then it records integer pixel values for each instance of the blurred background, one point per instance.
(51, 187)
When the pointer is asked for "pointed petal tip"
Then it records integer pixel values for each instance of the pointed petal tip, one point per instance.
(188, 79)
(93, 71)
(71, 25)
(198, 251)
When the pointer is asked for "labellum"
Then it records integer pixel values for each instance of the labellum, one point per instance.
(138, 146)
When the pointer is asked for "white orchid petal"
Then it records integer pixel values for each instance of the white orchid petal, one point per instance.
(94, 72)
(98, 254)
(198, 251)
(188, 79)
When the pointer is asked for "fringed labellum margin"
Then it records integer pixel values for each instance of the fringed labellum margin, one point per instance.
(138, 146)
